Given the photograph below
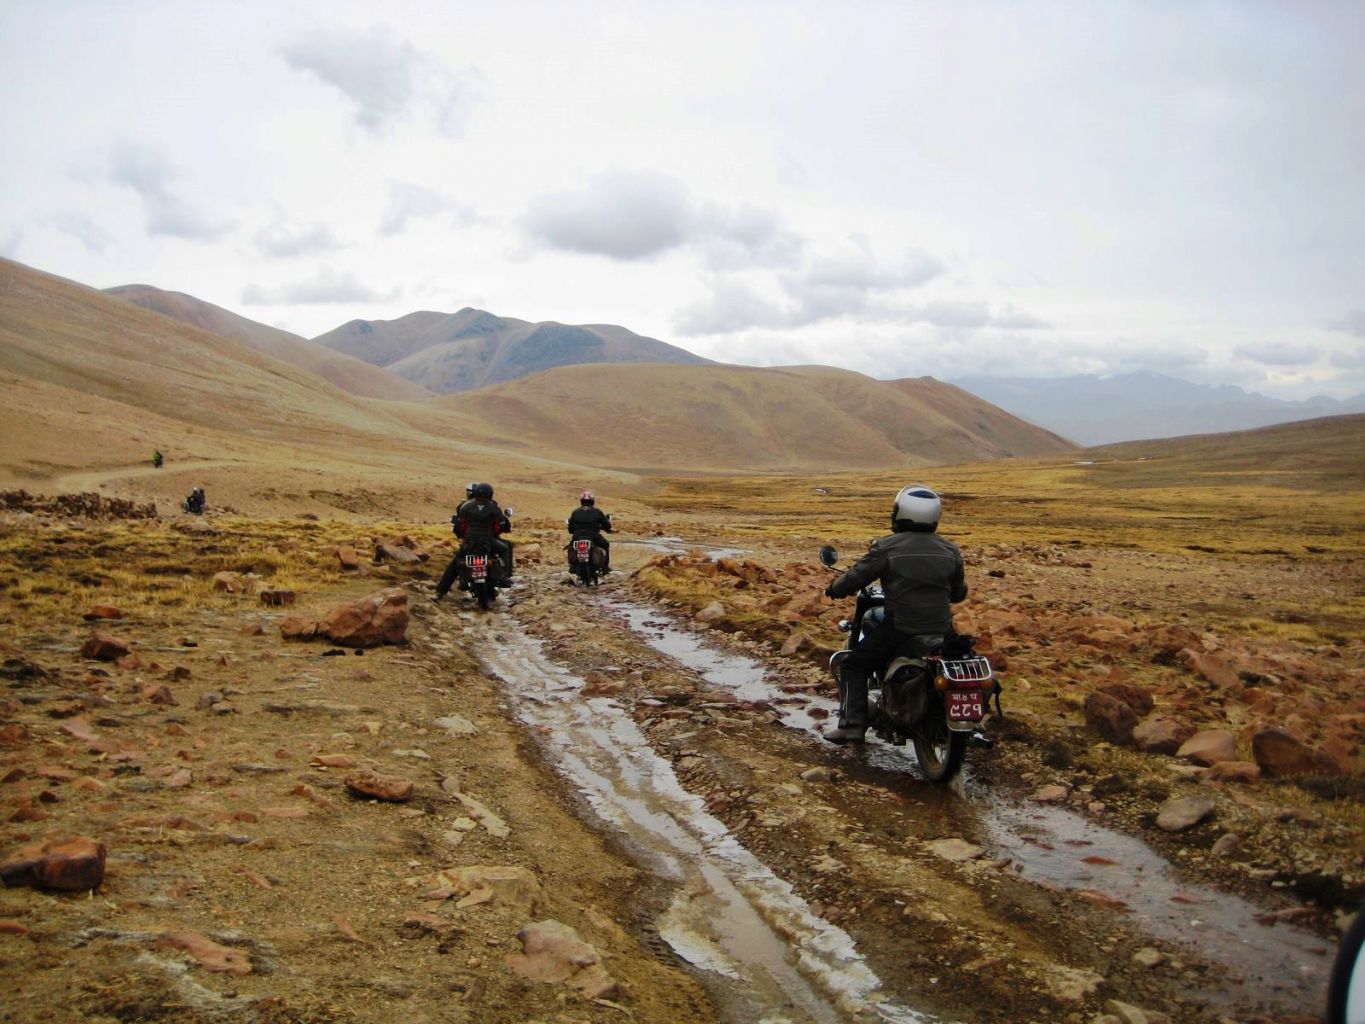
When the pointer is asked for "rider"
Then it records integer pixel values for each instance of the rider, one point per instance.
(479, 519)
(922, 575)
(158, 458)
(590, 521)
(195, 502)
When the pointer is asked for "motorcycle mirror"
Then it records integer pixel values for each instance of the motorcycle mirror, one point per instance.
(829, 556)
(510, 510)
(1346, 990)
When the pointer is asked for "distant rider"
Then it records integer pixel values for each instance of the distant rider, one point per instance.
(589, 521)
(157, 458)
(479, 521)
(922, 576)
(195, 502)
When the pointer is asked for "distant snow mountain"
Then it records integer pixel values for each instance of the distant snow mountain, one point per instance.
(447, 352)
(1133, 406)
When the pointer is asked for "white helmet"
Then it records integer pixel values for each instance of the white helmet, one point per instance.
(917, 505)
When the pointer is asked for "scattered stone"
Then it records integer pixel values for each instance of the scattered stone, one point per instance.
(818, 774)
(554, 952)
(391, 788)
(1112, 719)
(1209, 747)
(491, 883)
(794, 644)
(378, 618)
(1227, 844)
(332, 761)
(1051, 794)
(101, 611)
(347, 556)
(392, 551)
(298, 627)
(959, 851)
(159, 693)
(179, 674)
(211, 956)
(1244, 772)
(1072, 984)
(208, 700)
(1149, 957)
(104, 647)
(713, 612)
(456, 725)
(73, 864)
(1139, 698)
(232, 583)
(1184, 813)
(1161, 735)
(492, 824)
(1282, 754)
(278, 598)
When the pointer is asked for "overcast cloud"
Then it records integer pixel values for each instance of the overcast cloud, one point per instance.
(901, 189)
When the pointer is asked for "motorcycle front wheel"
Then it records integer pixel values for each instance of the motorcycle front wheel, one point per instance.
(940, 756)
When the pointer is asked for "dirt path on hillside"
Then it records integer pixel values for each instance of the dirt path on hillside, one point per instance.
(93, 480)
(966, 904)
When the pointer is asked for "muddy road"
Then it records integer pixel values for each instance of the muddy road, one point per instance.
(805, 883)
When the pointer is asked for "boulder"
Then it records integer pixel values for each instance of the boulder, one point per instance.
(1109, 717)
(1211, 667)
(232, 583)
(1244, 772)
(794, 643)
(298, 627)
(713, 612)
(1139, 698)
(392, 551)
(493, 883)
(554, 952)
(377, 618)
(347, 557)
(213, 957)
(104, 647)
(1280, 753)
(391, 788)
(1209, 747)
(1184, 813)
(75, 863)
(102, 611)
(1161, 735)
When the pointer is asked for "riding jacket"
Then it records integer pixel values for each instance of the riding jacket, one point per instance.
(922, 575)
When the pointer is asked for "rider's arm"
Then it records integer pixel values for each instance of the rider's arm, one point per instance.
(959, 583)
(868, 568)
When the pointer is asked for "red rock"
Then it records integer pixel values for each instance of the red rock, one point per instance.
(1209, 747)
(380, 787)
(1212, 667)
(27, 810)
(73, 864)
(1139, 698)
(278, 598)
(390, 551)
(211, 956)
(1109, 717)
(1280, 753)
(80, 729)
(347, 556)
(129, 663)
(1161, 735)
(9, 926)
(255, 629)
(102, 611)
(298, 627)
(104, 647)
(232, 583)
(159, 693)
(178, 674)
(13, 734)
(378, 618)
(333, 761)
(554, 952)
(1244, 772)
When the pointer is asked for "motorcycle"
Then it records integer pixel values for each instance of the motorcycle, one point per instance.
(587, 561)
(479, 570)
(936, 698)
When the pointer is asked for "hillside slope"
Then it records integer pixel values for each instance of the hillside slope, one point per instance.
(731, 418)
(346, 372)
(446, 352)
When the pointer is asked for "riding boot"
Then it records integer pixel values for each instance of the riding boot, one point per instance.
(852, 708)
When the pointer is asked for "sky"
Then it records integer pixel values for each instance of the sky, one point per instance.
(899, 188)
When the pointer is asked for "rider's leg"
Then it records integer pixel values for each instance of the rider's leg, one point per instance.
(448, 577)
(872, 652)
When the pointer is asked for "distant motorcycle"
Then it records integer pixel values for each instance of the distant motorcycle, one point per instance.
(936, 700)
(587, 561)
(478, 572)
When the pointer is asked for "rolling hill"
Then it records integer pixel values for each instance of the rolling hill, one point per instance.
(648, 417)
(446, 352)
(346, 372)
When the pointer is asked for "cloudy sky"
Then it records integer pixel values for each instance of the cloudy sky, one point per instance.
(901, 188)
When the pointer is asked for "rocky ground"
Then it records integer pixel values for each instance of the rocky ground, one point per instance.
(309, 830)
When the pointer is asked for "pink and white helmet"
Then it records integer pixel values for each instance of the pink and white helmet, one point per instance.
(586, 498)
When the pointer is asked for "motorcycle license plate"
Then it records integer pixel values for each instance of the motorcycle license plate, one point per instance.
(582, 548)
(478, 566)
(966, 705)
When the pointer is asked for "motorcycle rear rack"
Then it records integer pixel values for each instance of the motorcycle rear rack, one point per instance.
(968, 670)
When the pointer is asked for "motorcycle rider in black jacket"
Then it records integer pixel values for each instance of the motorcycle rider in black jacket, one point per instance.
(922, 576)
(589, 521)
(479, 520)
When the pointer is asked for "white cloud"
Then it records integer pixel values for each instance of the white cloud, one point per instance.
(1352, 323)
(408, 202)
(9, 245)
(83, 228)
(625, 216)
(1278, 354)
(325, 288)
(384, 78)
(147, 173)
(286, 238)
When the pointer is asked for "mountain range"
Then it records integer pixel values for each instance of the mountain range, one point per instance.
(1094, 410)
(445, 352)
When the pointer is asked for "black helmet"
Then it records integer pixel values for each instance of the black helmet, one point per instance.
(483, 492)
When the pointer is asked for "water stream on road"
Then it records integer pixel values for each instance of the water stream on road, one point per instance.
(763, 954)
(1282, 965)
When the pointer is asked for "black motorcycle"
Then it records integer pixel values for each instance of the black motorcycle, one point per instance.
(478, 571)
(933, 694)
(587, 561)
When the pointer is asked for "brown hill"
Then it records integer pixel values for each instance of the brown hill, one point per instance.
(447, 352)
(346, 372)
(732, 418)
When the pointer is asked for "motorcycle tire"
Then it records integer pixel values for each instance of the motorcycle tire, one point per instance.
(484, 594)
(940, 757)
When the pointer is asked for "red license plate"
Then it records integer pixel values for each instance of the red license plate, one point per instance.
(478, 566)
(966, 705)
(582, 548)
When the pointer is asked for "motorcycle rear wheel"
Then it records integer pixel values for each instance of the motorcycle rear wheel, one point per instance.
(484, 594)
(940, 758)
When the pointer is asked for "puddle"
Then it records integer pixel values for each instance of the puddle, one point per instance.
(679, 546)
(1282, 965)
(763, 954)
